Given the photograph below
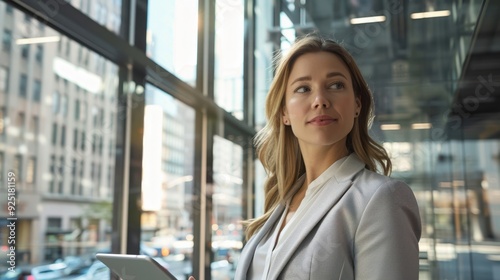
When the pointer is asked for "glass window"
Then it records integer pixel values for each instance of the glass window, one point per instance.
(106, 13)
(20, 120)
(2, 121)
(227, 201)
(25, 51)
(172, 36)
(35, 127)
(77, 110)
(63, 136)
(31, 171)
(4, 79)
(54, 133)
(39, 53)
(75, 139)
(229, 48)
(37, 90)
(64, 105)
(18, 167)
(46, 236)
(7, 40)
(167, 190)
(8, 8)
(23, 85)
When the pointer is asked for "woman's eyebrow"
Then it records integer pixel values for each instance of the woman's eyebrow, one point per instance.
(308, 78)
(333, 74)
(299, 79)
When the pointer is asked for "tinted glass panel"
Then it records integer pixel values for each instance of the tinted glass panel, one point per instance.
(62, 194)
(172, 36)
(167, 186)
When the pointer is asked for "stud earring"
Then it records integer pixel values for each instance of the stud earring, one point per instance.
(285, 121)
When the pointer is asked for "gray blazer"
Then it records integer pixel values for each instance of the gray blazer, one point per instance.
(365, 226)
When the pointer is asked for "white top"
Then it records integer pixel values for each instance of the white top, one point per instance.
(263, 257)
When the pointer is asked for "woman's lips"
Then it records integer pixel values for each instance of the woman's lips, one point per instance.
(322, 120)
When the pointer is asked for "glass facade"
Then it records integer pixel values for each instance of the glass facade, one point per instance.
(131, 130)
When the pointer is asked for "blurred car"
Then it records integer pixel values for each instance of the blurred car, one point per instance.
(16, 274)
(49, 271)
(96, 271)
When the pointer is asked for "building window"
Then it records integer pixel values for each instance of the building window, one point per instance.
(23, 85)
(8, 9)
(35, 126)
(94, 143)
(25, 51)
(7, 40)
(37, 90)
(64, 105)
(73, 177)
(80, 187)
(18, 167)
(54, 134)
(63, 136)
(2, 121)
(20, 122)
(75, 139)
(39, 53)
(77, 109)
(52, 174)
(31, 171)
(54, 224)
(61, 175)
(83, 141)
(4, 79)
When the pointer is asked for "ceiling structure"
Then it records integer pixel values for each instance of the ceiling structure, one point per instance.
(476, 104)
(421, 69)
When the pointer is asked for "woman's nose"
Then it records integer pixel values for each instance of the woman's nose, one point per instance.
(320, 100)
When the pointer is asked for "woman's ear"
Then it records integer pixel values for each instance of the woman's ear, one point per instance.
(358, 106)
(284, 117)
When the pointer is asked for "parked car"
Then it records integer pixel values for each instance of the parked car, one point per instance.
(49, 271)
(16, 274)
(95, 271)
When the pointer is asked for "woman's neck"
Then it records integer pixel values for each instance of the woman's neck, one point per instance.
(316, 162)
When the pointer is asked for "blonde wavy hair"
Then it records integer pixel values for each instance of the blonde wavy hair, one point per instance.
(278, 148)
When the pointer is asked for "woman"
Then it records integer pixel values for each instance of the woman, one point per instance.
(328, 214)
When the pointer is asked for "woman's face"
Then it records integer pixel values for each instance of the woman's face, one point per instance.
(320, 103)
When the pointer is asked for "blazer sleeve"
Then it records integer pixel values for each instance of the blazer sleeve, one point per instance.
(386, 240)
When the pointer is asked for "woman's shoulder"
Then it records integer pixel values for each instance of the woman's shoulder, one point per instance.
(369, 183)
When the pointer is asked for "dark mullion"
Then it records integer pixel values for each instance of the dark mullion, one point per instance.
(137, 101)
(248, 62)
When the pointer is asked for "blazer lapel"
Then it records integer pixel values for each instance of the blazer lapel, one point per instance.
(246, 258)
(328, 196)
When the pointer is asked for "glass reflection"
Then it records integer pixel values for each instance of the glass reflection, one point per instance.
(227, 231)
(167, 185)
(413, 61)
(172, 35)
(228, 56)
(105, 12)
(64, 186)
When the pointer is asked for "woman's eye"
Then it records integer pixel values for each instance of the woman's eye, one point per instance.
(302, 89)
(337, 85)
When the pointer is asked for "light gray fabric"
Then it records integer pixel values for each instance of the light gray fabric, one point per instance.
(365, 226)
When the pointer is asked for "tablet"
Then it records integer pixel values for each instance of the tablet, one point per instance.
(135, 267)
